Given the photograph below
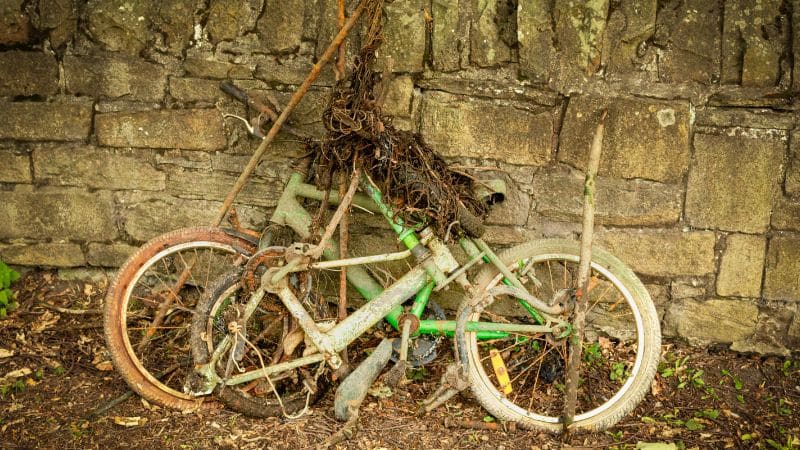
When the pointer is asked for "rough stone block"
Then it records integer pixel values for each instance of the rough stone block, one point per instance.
(482, 129)
(275, 165)
(786, 214)
(58, 16)
(48, 255)
(115, 76)
(688, 36)
(730, 175)
(108, 255)
(194, 89)
(28, 73)
(228, 19)
(291, 71)
(535, 34)
(14, 167)
(630, 26)
(643, 138)
(726, 117)
(515, 208)
(281, 25)
(15, 26)
(794, 329)
(755, 34)
(694, 288)
(193, 129)
(741, 267)
(307, 116)
(57, 214)
(580, 27)
(403, 47)
(204, 65)
(66, 120)
(559, 194)
(399, 97)
(97, 168)
(120, 25)
(174, 20)
(783, 269)
(146, 215)
(792, 184)
(497, 89)
(663, 253)
(215, 186)
(796, 46)
(448, 35)
(187, 159)
(714, 320)
(487, 48)
(769, 337)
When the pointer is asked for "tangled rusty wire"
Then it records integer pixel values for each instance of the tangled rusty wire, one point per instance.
(412, 177)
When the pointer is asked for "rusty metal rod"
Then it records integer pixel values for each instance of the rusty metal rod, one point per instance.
(293, 102)
(340, 58)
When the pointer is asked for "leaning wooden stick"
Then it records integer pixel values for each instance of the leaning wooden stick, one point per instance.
(584, 270)
(293, 102)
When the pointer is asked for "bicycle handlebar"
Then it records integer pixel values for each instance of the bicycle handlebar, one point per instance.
(228, 88)
(270, 114)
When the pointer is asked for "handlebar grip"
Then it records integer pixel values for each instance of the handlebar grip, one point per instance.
(471, 223)
(228, 88)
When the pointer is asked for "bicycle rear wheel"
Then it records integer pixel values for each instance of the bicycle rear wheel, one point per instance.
(149, 306)
(621, 344)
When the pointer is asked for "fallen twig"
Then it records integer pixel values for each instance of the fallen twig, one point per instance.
(69, 310)
(477, 425)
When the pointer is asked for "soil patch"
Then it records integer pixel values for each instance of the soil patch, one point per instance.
(701, 398)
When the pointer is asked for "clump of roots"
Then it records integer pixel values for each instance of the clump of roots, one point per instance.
(412, 177)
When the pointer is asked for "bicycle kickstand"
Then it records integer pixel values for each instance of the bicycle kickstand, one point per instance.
(454, 380)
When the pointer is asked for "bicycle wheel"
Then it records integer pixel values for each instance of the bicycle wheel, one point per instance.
(621, 344)
(269, 336)
(148, 308)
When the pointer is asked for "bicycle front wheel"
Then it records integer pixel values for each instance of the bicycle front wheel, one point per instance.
(621, 342)
(149, 308)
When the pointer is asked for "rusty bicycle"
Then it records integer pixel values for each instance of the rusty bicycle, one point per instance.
(251, 311)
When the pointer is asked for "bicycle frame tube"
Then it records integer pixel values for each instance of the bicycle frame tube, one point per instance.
(291, 213)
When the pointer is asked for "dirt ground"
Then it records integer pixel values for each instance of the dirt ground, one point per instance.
(54, 374)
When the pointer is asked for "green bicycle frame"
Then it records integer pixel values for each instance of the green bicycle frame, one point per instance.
(291, 213)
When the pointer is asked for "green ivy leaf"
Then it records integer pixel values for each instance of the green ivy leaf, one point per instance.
(693, 425)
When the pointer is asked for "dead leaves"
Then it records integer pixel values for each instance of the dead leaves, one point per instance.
(45, 322)
(130, 421)
(14, 374)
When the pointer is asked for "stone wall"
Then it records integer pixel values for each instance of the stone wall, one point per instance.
(111, 129)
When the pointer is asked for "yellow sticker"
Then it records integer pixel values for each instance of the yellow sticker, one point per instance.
(500, 371)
